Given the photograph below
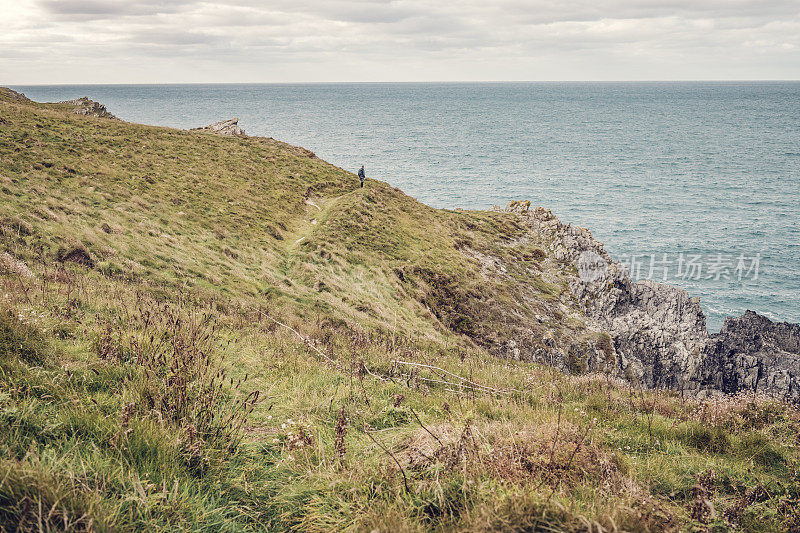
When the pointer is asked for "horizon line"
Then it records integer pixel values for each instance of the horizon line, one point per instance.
(765, 80)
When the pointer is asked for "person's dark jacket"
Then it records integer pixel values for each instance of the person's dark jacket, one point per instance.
(361, 173)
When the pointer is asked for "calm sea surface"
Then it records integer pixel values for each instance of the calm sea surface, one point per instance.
(696, 182)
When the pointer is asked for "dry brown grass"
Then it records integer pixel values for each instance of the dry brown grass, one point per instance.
(550, 454)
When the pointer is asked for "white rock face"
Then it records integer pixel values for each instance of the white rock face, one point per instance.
(225, 127)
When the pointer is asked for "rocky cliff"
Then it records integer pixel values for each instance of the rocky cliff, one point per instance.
(659, 332)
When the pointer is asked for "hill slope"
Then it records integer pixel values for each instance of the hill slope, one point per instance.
(224, 332)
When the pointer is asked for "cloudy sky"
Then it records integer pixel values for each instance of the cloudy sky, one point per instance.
(150, 41)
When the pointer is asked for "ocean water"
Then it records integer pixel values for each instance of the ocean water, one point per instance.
(696, 184)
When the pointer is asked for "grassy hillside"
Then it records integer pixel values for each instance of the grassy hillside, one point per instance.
(224, 333)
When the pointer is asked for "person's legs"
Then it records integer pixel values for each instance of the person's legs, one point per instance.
(362, 184)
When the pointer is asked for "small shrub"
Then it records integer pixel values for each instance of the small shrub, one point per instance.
(457, 306)
(75, 254)
(537, 254)
(183, 380)
(576, 363)
(605, 345)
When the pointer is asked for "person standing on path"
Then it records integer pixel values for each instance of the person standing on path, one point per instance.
(361, 175)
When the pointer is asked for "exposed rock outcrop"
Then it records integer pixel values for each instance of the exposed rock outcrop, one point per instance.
(89, 108)
(752, 353)
(225, 127)
(12, 95)
(659, 332)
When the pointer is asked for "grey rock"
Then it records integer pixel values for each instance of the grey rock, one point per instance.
(225, 127)
(89, 108)
(752, 353)
(511, 350)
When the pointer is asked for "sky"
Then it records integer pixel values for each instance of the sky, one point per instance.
(251, 41)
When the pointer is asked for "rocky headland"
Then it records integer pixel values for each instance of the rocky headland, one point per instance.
(659, 332)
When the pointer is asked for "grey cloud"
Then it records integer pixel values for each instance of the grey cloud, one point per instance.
(515, 12)
(510, 34)
(349, 11)
(80, 7)
(104, 9)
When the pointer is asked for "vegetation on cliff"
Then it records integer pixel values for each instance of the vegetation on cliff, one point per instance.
(224, 333)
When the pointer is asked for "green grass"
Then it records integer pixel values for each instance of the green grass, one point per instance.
(190, 247)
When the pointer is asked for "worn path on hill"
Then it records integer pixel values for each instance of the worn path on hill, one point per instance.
(318, 211)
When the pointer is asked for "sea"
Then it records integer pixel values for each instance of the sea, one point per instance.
(696, 184)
